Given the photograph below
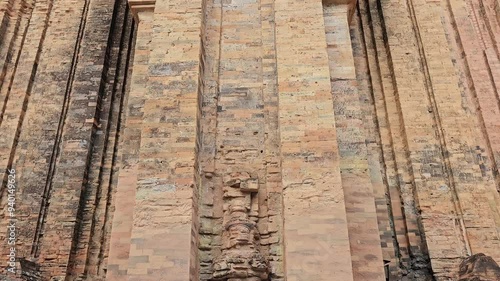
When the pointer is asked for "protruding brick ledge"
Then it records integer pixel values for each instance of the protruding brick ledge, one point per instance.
(137, 6)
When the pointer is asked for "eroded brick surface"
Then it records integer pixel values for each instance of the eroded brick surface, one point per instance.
(316, 140)
(58, 85)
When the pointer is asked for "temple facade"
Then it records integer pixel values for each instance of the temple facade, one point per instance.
(250, 140)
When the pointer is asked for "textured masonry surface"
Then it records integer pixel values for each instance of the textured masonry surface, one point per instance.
(367, 134)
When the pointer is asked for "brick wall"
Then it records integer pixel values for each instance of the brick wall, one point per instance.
(372, 128)
(58, 83)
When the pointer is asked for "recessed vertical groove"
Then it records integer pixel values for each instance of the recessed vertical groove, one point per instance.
(464, 64)
(27, 95)
(438, 126)
(106, 181)
(398, 179)
(475, 22)
(411, 212)
(343, 48)
(115, 168)
(492, 28)
(25, 11)
(110, 97)
(5, 11)
(229, 88)
(272, 198)
(281, 209)
(493, 161)
(368, 38)
(11, 19)
(208, 188)
(57, 143)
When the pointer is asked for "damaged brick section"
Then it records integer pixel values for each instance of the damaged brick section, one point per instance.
(479, 267)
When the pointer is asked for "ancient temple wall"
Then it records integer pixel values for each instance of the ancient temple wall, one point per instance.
(162, 179)
(315, 228)
(351, 135)
(210, 210)
(452, 167)
(124, 198)
(323, 139)
(237, 103)
(473, 183)
(58, 81)
(73, 159)
(422, 143)
(409, 247)
(363, 56)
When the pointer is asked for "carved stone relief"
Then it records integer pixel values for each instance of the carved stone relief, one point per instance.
(241, 259)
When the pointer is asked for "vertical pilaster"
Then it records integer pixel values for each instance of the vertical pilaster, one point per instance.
(316, 230)
(124, 198)
(161, 236)
(430, 185)
(356, 183)
(56, 233)
(471, 182)
(43, 79)
(453, 186)
(392, 221)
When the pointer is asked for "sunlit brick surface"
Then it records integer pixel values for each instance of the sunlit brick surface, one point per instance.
(369, 130)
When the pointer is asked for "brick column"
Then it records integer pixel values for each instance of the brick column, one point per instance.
(358, 191)
(317, 243)
(158, 179)
(124, 198)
